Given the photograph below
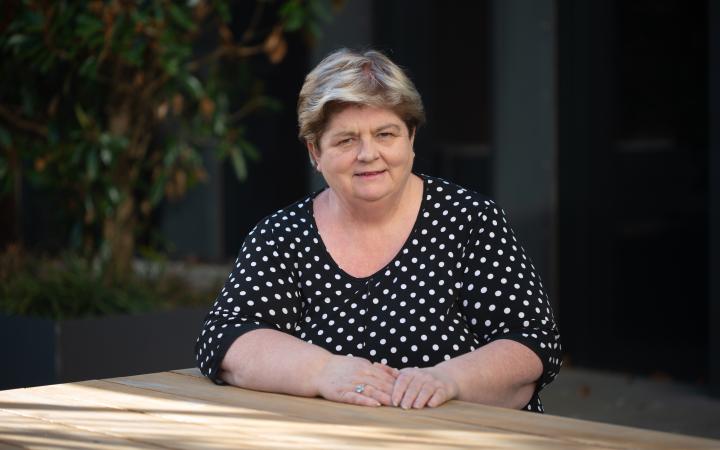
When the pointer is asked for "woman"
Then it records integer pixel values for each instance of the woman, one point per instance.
(387, 287)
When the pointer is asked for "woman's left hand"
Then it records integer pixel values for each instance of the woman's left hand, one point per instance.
(417, 388)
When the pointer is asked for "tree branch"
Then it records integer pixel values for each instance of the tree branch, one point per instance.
(250, 31)
(47, 39)
(23, 124)
(251, 105)
(233, 51)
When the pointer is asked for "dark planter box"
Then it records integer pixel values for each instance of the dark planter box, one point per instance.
(41, 351)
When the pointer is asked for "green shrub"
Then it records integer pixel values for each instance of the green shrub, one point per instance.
(70, 288)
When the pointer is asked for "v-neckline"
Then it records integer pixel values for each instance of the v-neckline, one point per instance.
(310, 211)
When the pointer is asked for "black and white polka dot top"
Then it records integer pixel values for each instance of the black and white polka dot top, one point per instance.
(461, 280)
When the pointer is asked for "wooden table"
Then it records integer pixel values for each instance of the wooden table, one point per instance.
(182, 410)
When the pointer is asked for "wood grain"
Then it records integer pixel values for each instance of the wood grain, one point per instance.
(183, 410)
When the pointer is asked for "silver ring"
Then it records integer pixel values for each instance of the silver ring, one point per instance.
(360, 388)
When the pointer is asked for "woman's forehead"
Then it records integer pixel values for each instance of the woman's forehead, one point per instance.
(362, 116)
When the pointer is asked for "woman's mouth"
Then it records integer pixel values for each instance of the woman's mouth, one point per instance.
(369, 174)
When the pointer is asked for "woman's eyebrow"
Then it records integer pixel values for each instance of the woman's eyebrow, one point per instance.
(387, 126)
(346, 133)
(342, 133)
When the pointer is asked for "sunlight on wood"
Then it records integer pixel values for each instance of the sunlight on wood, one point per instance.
(185, 411)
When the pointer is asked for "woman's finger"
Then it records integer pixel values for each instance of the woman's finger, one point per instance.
(377, 394)
(382, 382)
(401, 384)
(439, 397)
(380, 378)
(354, 398)
(427, 391)
(393, 372)
(382, 372)
(411, 392)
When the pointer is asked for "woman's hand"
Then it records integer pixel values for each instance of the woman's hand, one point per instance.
(417, 388)
(341, 376)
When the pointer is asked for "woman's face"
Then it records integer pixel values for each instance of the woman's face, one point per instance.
(365, 153)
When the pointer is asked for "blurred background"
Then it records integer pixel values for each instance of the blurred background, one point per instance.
(142, 140)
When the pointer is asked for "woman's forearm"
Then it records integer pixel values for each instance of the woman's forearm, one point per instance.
(273, 361)
(501, 373)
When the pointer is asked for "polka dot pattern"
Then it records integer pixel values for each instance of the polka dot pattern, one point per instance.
(460, 281)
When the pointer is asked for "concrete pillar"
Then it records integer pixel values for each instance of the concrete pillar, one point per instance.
(714, 200)
(524, 142)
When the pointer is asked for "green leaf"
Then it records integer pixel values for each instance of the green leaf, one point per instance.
(34, 20)
(89, 28)
(222, 150)
(171, 66)
(320, 10)
(113, 195)
(249, 148)
(271, 104)
(134, 54)
(89, 67)
(180, 17)
(238, 162)
(106, 156)
(293, 15)
(223, 10)
(83, 119)
(219, 125)
(16, 40)
(46, 63)
(194, 86)
(157, 190)
(314, 29)
(105, 139)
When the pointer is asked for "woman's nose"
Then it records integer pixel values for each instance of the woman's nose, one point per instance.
(367, 151)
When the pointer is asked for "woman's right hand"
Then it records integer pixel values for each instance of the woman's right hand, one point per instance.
(341, 375)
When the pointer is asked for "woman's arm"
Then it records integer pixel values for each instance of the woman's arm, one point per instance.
(501, 373)
(273, 361)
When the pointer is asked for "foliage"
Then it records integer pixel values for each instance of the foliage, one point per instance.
(111, 103)
(71, 288)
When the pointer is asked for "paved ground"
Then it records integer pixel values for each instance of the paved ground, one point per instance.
(633, 401)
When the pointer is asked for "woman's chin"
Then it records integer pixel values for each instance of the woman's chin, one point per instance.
(371, 193)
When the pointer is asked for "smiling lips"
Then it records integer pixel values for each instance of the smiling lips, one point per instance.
(369, 174)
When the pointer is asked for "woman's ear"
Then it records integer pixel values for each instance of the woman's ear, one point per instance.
(313, 153)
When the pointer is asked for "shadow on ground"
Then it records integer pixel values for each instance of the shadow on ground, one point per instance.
(633, 401)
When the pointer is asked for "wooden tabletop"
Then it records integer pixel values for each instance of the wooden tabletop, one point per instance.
(182, 410)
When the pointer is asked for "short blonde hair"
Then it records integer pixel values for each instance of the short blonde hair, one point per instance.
(366, 78)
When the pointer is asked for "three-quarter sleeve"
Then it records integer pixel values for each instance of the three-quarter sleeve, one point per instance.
(502, 295)
(260, 292)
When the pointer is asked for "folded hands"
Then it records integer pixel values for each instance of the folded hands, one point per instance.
(358, 381)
